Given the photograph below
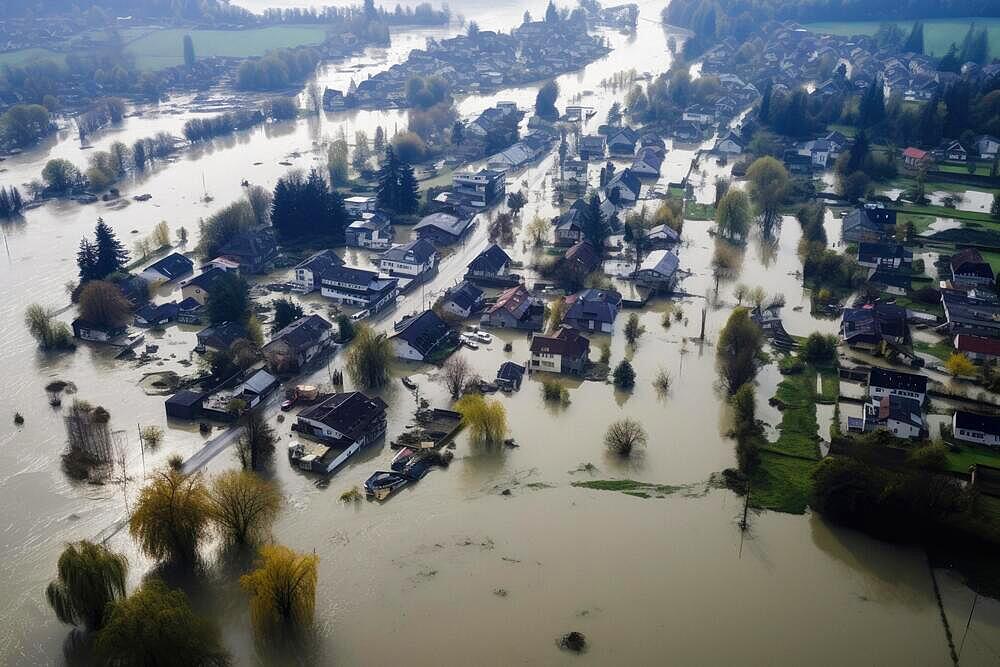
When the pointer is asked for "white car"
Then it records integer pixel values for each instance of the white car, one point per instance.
(360, 315)
(469, 341)
(483, 336)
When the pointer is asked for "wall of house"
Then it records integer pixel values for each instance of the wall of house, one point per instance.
(544, 361)
(404, 350)
(879, 392)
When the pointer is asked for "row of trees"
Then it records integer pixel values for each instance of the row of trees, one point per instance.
(397, 185)
(200, 129)
(278, 69)
(304, 205)
(11, 203)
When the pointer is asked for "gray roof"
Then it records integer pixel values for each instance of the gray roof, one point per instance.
(662, 262)
(414, 252)
(491, 260)
(424, 332)
(321, 261)
(303, 333)
(172, 266)
(445, 222)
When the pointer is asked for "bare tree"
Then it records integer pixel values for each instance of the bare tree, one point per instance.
(121, 457)
(256, 443)
(314, 98)
(455, 373)
(624, 436)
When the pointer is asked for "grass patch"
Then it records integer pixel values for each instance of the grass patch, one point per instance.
(938, 33)
(159, 49)
(798, 418)
(993, 258)
(969, 454)
(830, 381)
(629, 487)
(847, 130)
(696, 211)
(962, 170)
(32, 55)
(912, 304)
(944, 212)
(782, 483)
(937, 350)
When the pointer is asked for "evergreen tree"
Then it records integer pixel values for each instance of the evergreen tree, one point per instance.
(950, 61)
(409, 192)
(378, 142)
(859, 153)
(765, 103)
(188, 51)
(915, 41)
(871, 108)
(388, 179)
(111, 254)
(86, 261)
(594, 229)
(551, 13)
(458, 133)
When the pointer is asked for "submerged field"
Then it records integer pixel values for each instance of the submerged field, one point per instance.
(938, 33)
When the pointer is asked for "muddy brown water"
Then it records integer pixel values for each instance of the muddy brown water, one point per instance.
(416, 578)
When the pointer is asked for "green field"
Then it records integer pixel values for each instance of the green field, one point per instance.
(158, 49)
(938, 33)
(24, 56)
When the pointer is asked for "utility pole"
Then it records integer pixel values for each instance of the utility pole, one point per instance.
(142, 450)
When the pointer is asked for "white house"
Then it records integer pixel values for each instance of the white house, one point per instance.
(900, 416)
(309, 272)
(884, 382)
(359, 204)
(976, 428)
(409, 260)
(731, 144)
(421, 337)
(987, 146)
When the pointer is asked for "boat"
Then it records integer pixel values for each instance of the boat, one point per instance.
(402, 458)
(418, 468)
(384, 483)
(483, 336)
(408, 383)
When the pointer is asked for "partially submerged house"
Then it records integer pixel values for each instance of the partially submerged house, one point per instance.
(255, 250)
(95, 332)
(290, 349)
(168, 269)
(969, 269)
(566, 352)
(463, 300)
(509, 376)
(358, 287)
(569, 224)
(592, 147)
(869, 223)
(220, 337)
(583, 258)
(903, 417)
(971, 315)
(199, 287)
(887, 255)
(658, 271)
(308, 272)
(593, 310)
(492, 267)
(515, 308)
(156, 315)
(422, 337)
(661, 237)
(480, 189)
(976, 428)
(623, 189)
(868, 326)
(371, 230)
(415, 259)
(344, 420)
(443, 228)
(886, 382)
(622, 140)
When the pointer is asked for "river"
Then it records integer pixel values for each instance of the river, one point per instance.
(450, 571)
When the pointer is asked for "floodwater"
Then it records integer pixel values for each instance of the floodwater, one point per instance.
(451, 571)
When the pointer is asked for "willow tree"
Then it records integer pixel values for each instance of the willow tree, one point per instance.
(738, 351)
(486, 419)
(156, 626)
(90, 578)
(243, 506)
(368, 358)
(282, 590)
(768, 184)
(733, 215)
(171, 516)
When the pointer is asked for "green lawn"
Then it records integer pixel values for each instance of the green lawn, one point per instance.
(938, 33)
(968, 454)
(24, 56)
(993, 258)
(696, 211)
(945, 212)
(919, 306)
(798, 426)
(961, 169)
(941, 350)
(158, 49)
(782, 483)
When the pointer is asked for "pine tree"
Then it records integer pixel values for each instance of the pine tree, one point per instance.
(111, 254)
(594, 229)
(915, 42)
(388, 181)
(86, 260)
(378, 142)
(765, 103)
(409, 191)
(188, 51)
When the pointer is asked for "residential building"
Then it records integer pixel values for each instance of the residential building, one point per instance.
(190, 311)
(515, 308)
(463, 300)
(442, 228)
(658, 271)
(255, 250)
(623, 188)
(647, 162)
(252, 390)
(593, 310)
(622, 140)
(886, 382)
(481, 189)
(987, 146)
(953, 151)
(220, 337)
(969, 269)
(415, 259)
(869, 223)
(976, 428)
(168, 269)
(698, 114)
(359, 204)
(583, 258)
(185, 404)
(422, 337)
(661, 237)
(290, 349)
(731, 144)
(977, 348)
(96, 333)
(971, 315)
(868, 326)
(509, 376)
(308, 273)
(372, 231)
(345, 420)
(914, 158)
(201, 286)
(358, 287)
(592, 147)
(156, 315)
(687, 132)
(566, 352)
(903, 417)
(887, 255)
(492, 266)
(569, 224)
(891, 281)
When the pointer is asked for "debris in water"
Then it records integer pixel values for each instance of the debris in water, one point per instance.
(505, 492)
(500, 592)
(573, 641)
(352, 495)
(18, 418)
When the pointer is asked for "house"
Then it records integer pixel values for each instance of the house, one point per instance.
(251, 391)
(796, 162)
(492, 266)
(574, 172)
(442, 228)
(889, 280)
(421, 337)
(583, 258)
(652, 139)
(169, 268)
(411, 260)
(199, 287)
(569, 225)
(953, 151)
(515, 308)
(687, 132)
(223, 263)
(593, 310)
(698, 114)
(512, 157)
(658, 271)
(987, 146)
(509, 376)
(190, 311)
(661, 237)
(358, 287)
(333, 100)
(976, 428)
(220, 337)
(868, 223)
(308, 272)
(359, 205)
(731, 144)
(463, 300)
(372, 231)
(885, 255)
(868, 326)
(622, 140)
(592, 147)
(152, 315)
(255, 250)
(971, 315)
(977, 348)
(820, 151)
(185, 404)
(647, 163)
(481, 189)
(969, 269)
(914, 158)
(566, 352)
(297, 344)
(886, 382)
(900, 416)
(96, 333)
(623, 188)
(344, 420)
